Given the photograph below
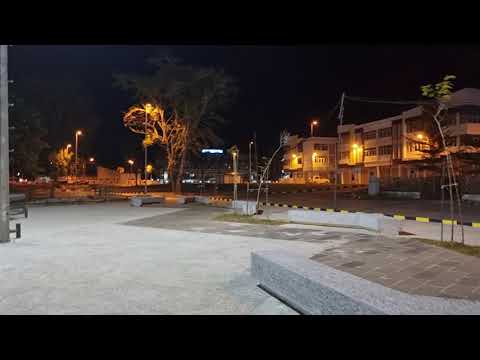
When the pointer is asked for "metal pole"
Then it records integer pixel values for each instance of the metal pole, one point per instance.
(145, 146)
(76, 155)
(4, 147)
(337, 158)
(311, 129)
(249, 173)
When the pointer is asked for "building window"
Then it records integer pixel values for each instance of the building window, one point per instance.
(371, 152)
(321, 147)
(345, 137)
(319, 159)
(299, 161)
(385, 132)
(414, 125)
(300, 147)
(385, 150)
(470, 117)
(370, 135)
(344, 155)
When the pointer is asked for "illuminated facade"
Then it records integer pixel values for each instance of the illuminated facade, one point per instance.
(384, 148)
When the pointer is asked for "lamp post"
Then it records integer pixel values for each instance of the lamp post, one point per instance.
(148, 108)
(77, 134)
(249, 171)
(312, 124)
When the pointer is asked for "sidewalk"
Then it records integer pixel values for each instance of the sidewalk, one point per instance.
(431, 231)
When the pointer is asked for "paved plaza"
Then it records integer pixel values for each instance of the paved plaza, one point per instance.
(112, 258)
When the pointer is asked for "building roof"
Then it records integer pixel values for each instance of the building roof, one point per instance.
(465, 97)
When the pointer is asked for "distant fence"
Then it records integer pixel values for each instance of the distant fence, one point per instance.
(430, 187)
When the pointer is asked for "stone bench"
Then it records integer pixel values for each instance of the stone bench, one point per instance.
(179, 199)
(244, 208)
(139, 201)
(374, 222)
(316, 289)
(472, 198)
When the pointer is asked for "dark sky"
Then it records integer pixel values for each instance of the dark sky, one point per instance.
(280, 86)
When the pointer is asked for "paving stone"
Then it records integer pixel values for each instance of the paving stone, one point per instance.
(353, 264)
(426, 275)
(470, 281)
(446, 279)
(461, 292)
(449, 263)
(408, 284)
(428, 290)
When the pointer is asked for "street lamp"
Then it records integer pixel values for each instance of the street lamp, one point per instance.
(312, 124)
(148, 108)
(130, 162)
(91, 160)
(77, 134)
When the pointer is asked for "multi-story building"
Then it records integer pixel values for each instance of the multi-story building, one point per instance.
(309, 159)
(386, 148)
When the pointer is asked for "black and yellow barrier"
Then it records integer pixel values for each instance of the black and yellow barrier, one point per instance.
(395, 216)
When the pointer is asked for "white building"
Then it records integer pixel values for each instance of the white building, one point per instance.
(384, 148)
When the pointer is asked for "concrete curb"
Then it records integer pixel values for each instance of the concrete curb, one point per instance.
(317, 289)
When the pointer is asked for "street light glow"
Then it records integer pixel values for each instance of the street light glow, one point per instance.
(69, 146)
(148, 108)
(130, 162)
(315, 122)
(92, 159)
(79, 132)
(355, 146)
(419, 136)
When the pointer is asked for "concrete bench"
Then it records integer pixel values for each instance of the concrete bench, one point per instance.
(401, 194)
(179, 199)
(244, 208)
(373, 222)
(18, 206)
(316, 289)
(139, 201)
(472, 198)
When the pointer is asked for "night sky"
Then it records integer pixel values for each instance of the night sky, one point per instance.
(281, 87)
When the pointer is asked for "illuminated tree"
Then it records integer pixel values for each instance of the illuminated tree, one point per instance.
(197, 95)
(62, 161)
(159, 127)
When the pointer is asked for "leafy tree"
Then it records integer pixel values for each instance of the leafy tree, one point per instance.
(27, 139)
(62, 161)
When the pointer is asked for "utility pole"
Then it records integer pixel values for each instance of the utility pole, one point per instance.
(255, 157)
(337, 157)
(4, 147)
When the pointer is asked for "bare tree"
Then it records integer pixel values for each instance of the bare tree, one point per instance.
(264, 171)
(440, 92)
(159, 127)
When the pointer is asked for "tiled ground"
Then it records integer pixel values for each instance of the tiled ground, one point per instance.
(403, 264)
(408, 265)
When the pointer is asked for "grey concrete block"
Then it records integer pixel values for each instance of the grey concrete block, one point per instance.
(244, 207)
(356, 220)
(315, 288)
(402, 194)
(139, 201)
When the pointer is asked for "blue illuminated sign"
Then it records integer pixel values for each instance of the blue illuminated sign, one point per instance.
(212, 151)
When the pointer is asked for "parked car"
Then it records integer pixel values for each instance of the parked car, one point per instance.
(320, 180)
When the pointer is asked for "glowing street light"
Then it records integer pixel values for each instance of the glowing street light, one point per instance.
(312, 124)
(420, 136)
(77, 134)
(91, 160)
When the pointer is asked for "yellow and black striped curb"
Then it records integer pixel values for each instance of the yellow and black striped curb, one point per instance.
(217, 198)
(395, 216)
